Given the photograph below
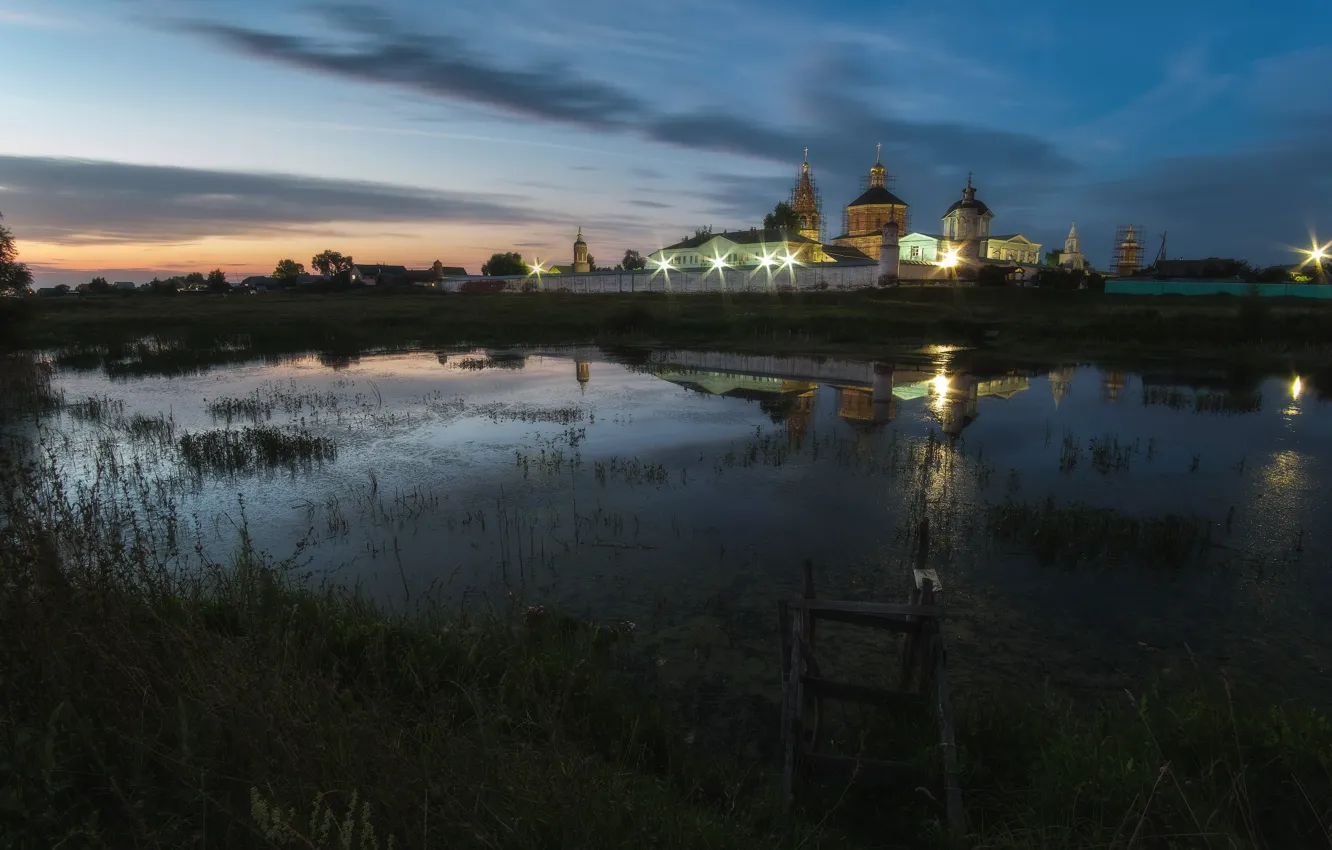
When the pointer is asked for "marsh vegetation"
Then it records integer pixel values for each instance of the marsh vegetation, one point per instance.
(183, 628)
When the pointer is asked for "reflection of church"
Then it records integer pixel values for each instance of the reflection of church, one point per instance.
(1061, 383)
(1112, 384)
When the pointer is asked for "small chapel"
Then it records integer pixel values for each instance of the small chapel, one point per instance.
(966, 239)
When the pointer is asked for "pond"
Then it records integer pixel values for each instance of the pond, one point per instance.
(1093, 529)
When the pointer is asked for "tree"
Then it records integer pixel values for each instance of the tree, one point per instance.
(633, 261)
(504, 264)
(217, 281)
(195, 279)
(15, 279)
(289, 268)
(782, 217)
(330, 262)
(1052, 258)
(591, 263)
(164, 287)
(99, 285)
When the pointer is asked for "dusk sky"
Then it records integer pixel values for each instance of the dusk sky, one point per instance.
(144, 137)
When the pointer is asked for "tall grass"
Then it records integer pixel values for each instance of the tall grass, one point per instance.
(228, 452)
(168, 700)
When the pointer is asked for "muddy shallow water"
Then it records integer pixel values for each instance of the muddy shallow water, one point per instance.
(683, 490)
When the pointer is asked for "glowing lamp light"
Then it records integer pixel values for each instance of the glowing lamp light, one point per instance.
(766, 260)
(949, 259)
(718, 263)
(664, 263)
(788, 260)
(1296, 387)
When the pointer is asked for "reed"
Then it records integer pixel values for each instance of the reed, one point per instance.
(1076, 534)
(228, 452)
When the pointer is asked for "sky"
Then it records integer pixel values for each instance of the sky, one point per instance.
(151, 137)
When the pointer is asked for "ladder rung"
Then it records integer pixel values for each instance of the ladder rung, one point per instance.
(882, 609)
(864, 693)
(863, 769)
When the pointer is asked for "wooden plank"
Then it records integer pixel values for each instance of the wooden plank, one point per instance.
(872, 621)
(957, 816)
(876, 771)
(808, 593)
(790, 715)
(865, 693)
(820, 607)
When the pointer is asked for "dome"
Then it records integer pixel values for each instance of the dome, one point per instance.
(968, 201)
(979, 206)
(876, 196)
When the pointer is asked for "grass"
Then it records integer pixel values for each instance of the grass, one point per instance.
(125, 335)
(1076, 534)
(151, 707)
(227, 452)
(155, 697)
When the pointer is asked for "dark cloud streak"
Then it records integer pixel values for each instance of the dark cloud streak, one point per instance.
(68, 201)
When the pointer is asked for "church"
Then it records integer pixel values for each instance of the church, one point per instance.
(965, 244)
(966, 240)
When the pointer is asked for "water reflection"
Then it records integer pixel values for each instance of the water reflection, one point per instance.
(687, 482)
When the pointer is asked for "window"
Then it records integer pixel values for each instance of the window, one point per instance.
(915, 252)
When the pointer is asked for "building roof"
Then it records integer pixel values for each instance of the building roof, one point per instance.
(453, 271)
(1010, 237)
(937, 237)
(877, 196)
(742, 237)
(844, 253)
(378, 270)
(979, 206)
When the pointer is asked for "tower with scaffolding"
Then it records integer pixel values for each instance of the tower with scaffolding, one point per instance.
(807, 203)
(1126, 260)
(864, 218)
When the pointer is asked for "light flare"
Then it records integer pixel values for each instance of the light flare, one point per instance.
(1296, 387)
(949, 259)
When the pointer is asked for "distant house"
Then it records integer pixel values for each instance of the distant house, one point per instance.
(377, 275)
(124, 286)
(52, 291)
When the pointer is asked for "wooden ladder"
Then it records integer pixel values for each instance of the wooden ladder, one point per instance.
(924, 679)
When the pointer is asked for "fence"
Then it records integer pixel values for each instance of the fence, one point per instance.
(811, 277)
(1209, 287)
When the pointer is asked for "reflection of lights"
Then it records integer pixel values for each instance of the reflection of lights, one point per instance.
(940, 384)
(949, 259)
(1296, 387)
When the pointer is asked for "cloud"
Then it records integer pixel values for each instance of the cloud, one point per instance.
(438, 66)
(370, 47)
(1271, 198)
(68, 201)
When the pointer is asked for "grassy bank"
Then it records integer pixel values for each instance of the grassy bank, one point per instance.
(152, 696)
(1015, 323)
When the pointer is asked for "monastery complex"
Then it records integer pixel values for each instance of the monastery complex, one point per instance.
(875, 222)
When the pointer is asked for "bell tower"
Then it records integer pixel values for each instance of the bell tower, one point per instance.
(806, 204)
(580, 261)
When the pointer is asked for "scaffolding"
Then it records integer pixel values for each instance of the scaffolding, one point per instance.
(903, 225)
(1126, 258)
(815, 204)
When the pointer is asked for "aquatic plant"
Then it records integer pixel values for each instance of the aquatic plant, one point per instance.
(228, 452)
(96, 409)
(1074, 534)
